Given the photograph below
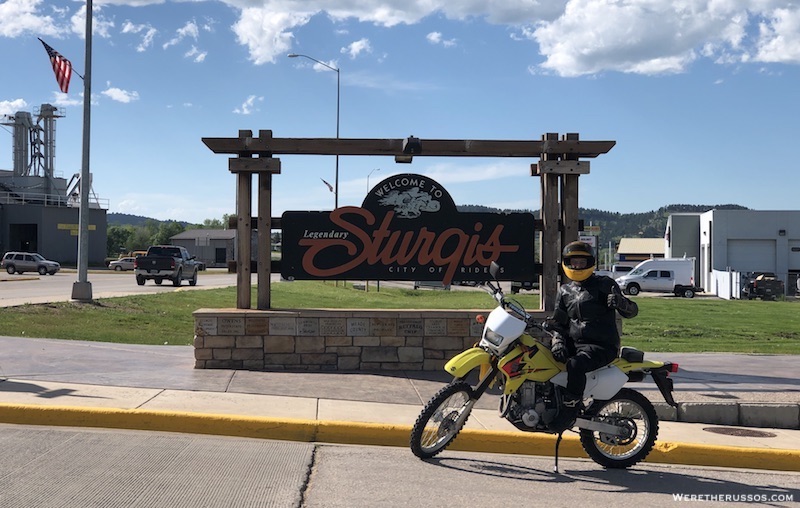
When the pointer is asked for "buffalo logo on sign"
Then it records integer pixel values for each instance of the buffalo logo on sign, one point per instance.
(407, 228)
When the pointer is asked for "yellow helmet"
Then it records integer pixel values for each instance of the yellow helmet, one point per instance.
(578, 261)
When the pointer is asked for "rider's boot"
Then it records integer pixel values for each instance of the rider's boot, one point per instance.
(570, 407)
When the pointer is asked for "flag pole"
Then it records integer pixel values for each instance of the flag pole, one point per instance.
(82, 289)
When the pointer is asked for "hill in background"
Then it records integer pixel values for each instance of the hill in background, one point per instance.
(613, 225)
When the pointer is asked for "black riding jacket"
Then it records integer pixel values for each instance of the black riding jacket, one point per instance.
(582, 311)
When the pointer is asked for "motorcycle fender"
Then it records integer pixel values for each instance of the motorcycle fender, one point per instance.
(626, 366)
(463, 363)
(601, 384)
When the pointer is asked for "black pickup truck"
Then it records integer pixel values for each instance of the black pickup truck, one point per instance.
(764, 285)
(166, 262)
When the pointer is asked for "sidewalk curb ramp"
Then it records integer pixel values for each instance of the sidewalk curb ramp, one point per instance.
(518, 443)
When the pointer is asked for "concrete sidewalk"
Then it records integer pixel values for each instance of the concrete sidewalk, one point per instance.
(57, 382)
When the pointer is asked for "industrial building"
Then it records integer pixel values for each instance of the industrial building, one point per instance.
(39, 209)
(729, 244)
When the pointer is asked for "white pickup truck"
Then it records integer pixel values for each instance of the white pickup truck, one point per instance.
(166, 262)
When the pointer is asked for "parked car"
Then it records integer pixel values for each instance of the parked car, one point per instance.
(21, 262)
(431, 284)
(528, 285)
(122, 264)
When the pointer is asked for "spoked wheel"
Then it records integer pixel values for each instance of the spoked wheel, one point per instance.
(441, 419)
(633, 412)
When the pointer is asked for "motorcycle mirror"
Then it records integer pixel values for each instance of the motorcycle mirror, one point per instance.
(494, 270)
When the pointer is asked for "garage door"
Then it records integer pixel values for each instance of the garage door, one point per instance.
(794, 255)
(751, 255)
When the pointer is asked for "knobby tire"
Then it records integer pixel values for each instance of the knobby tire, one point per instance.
(628, 408)
(436, 426)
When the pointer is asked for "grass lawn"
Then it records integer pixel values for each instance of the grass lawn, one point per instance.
(663, 324)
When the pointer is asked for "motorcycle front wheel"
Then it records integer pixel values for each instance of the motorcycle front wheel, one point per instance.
(633, 412)
(441, 419)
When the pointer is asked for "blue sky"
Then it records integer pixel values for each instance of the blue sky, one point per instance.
(700, 96)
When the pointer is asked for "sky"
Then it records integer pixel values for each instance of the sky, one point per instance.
(700, 96)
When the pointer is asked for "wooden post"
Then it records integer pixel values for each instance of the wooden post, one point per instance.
(244, 167)
(550, 246)
(244, 196)
(569, 199)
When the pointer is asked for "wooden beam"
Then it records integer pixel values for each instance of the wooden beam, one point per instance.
(275, 222)
(245, 146)
(254, 165)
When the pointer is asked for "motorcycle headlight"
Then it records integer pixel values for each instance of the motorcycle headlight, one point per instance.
(493, 337)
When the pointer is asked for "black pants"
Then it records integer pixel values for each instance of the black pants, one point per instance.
(587, 358)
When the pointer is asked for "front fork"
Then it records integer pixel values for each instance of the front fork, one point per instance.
(486, 377)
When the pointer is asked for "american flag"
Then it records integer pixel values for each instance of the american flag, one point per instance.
(330, 187)
(61, 66)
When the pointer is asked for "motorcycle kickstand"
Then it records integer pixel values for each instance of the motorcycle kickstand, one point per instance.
(558, 442)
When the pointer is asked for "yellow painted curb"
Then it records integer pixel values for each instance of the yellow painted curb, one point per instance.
(379, 434)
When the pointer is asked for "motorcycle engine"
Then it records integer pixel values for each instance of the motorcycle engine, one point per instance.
(525, 407)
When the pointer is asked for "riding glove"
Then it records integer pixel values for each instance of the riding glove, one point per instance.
(559, 349)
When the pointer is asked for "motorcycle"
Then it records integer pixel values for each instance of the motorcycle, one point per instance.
(618, 426)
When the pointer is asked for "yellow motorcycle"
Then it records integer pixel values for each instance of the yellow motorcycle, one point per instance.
(617, 426)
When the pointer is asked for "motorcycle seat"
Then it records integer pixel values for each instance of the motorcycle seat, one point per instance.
(631, 354)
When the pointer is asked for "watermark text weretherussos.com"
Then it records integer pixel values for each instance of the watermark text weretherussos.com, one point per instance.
(735, 498)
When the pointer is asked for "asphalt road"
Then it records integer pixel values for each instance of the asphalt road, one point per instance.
(57, 467)
(32, 288)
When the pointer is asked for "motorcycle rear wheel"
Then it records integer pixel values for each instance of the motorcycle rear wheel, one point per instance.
(441, 419)
(631, 410)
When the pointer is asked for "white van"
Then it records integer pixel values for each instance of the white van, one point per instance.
(666, 275)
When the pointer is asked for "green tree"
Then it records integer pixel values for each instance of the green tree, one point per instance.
(166, 230)
(118, 238)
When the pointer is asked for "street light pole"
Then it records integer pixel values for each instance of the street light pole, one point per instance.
(338, 88)
(370, 174)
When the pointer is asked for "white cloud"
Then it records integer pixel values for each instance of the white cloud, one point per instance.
(190, 29)
(196, 55)
(20, 17)
(248, 106)
(357, 47)
(147, 31)
(101, 26)
(11, 107)
(119, 95)
(779, 37)
(566, 37)
(436, 38)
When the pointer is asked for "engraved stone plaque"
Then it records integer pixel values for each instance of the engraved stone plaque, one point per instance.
(333, 326)
(435, 327)
(307, 326)
(383, 326)
(410, 327)
(458, 327)
(205, 326)
(282, 326)
(230, 325)
(358, 327)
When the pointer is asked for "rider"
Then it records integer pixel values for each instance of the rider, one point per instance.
(584, 321)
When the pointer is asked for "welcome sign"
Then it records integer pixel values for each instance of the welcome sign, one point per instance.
(407, 228)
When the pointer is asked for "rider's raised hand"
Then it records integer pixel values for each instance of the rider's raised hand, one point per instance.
(613, 298)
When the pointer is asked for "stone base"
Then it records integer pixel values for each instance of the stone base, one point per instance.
(330, 340)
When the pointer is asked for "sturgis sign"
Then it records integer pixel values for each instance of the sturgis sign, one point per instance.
(407, 228)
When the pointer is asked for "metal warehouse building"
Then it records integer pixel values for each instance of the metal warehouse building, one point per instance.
(731, 243)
